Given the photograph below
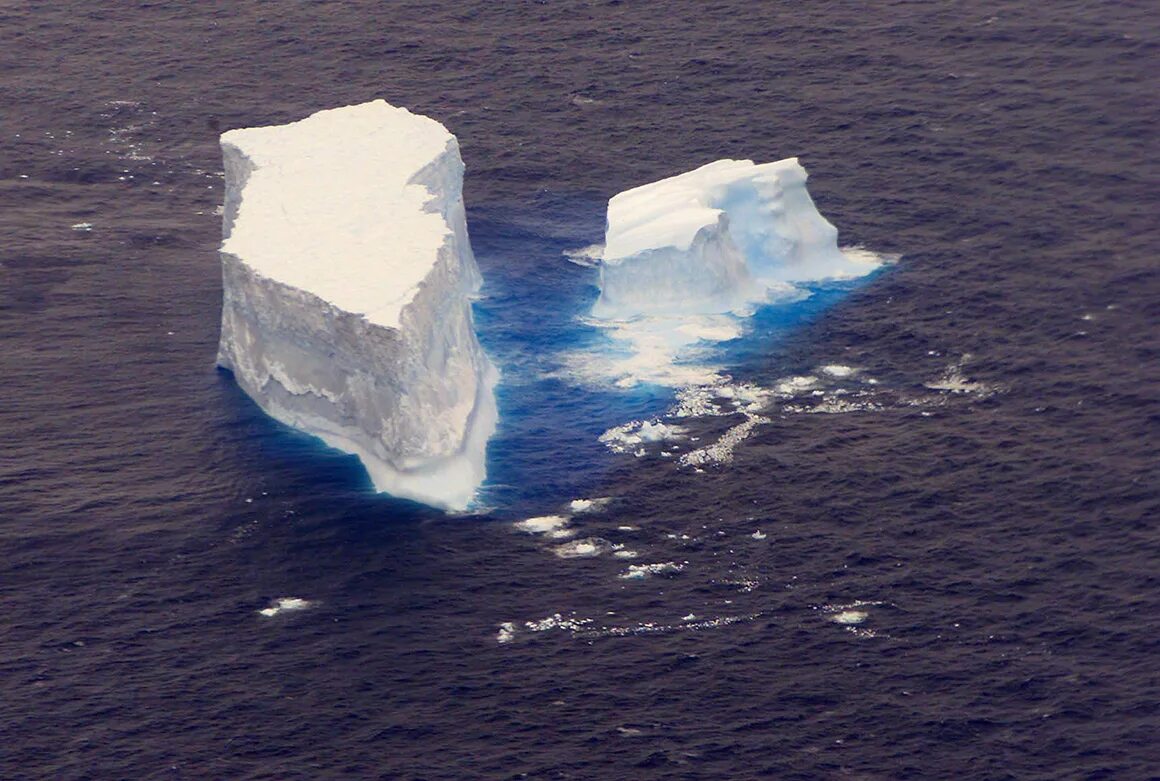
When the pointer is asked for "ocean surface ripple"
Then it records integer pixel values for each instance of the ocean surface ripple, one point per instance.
(908, 532)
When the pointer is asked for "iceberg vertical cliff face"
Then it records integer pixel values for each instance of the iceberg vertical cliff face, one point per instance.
(714, 240)
(348, 277)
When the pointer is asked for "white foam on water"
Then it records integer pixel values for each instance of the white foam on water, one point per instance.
(721, 451)
(838, 371)
(668, 351)
(850, 617)
(641, 571)
(588, 257)
(792, 386)
(589, 505)
(835, 405)
(558, 621)
(625, 554)
(650, 628)
(555, 526)
(587, 548)
(285, 605)
(954, 380)
(629, 436)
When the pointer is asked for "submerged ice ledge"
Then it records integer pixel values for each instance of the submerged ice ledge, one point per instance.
(347, 284)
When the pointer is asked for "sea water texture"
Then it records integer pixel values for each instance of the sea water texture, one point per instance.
(912, 535)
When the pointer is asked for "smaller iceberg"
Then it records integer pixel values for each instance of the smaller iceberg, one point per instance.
(685, 258)
(716, 240)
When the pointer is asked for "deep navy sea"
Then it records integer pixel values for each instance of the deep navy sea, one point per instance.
(930, 549)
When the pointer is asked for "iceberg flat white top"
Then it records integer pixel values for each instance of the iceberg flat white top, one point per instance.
(329, 207)
(670, 212)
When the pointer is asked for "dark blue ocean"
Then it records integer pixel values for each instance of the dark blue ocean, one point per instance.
(940, 559)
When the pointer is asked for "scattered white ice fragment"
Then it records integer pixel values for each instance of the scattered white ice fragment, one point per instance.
(507, 631)
(640, 571)
(721, 451)
(791, 386)
(585, 256)
(626, 437)
(558, 621)
(625, 554)
(850, 617)
(955, 381)
(586, 548)
(555, 526)
(348, 276)
(759, 535)
(284, 605)
(82, 226)
(589, 505)
(839, 371)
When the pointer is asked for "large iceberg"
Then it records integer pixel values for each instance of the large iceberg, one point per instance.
(348, 277)
(715, 240)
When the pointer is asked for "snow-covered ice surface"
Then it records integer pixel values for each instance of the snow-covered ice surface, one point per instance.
(348, 277)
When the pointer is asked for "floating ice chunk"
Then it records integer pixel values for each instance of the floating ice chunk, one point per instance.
(955, 381)
(850, 617)
(839, 371)
(624, 438)
(586, 548)
(554, 526)
(585, 256)
(285, 605)
(759, 535)
(639, 571)
(589, 505)
(347, 276)
(558, 621)
(791, 386)
(506, 633)
(84, 227)
(715, 239)
(721, 451)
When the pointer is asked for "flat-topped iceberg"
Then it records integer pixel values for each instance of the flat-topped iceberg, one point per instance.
(715, 240)
(348, 277)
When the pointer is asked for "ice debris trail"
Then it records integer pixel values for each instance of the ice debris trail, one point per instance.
(347, 284)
